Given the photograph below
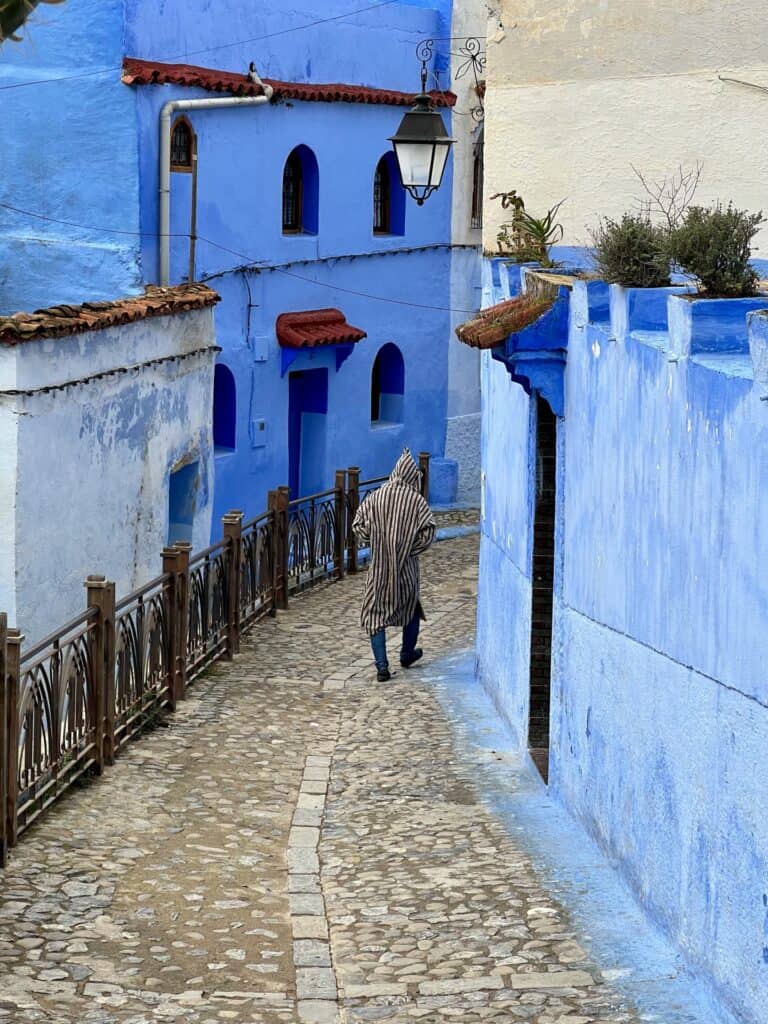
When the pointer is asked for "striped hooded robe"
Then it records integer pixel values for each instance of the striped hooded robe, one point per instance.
(396, 523)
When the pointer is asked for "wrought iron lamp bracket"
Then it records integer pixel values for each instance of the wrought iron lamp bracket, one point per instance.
(469, 50)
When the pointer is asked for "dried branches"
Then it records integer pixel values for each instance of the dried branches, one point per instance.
(670, 197)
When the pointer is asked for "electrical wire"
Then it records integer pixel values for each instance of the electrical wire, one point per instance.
(207, 49)
(250, 263)
(321, 284)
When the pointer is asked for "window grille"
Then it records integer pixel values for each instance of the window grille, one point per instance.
(182, 145)
(477, 186)
(381, 199)
(292, 194)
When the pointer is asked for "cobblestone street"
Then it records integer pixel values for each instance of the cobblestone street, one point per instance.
(298, 843)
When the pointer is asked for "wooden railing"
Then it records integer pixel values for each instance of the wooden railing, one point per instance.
(72, 702)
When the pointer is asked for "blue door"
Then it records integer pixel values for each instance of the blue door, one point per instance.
(307, 413)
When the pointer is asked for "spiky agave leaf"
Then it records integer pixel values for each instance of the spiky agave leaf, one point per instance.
(13, 14)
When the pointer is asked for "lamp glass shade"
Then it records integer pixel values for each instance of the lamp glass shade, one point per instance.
(415, 161)
(421, 147)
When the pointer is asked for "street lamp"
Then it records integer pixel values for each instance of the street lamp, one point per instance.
(421, 146)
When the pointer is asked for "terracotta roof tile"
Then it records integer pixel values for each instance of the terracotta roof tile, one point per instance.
(58, 321)
(314, 327)
(493, 325)
(149, 72)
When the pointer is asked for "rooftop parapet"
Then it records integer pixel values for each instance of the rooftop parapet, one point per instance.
(699, 326)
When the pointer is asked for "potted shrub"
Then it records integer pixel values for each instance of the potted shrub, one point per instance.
(714, 245)
(632, 252)
(525, 238)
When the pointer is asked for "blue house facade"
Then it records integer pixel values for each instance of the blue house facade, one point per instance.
(288, 207)
(622, 612)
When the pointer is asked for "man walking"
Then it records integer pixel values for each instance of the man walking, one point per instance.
(397, 525)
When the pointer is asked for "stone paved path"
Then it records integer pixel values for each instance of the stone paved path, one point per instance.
(299, 843)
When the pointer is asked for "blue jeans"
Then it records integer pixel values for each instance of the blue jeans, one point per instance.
(379, 643)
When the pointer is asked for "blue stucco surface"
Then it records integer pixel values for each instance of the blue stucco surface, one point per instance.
(306, 42)
(634, 956)
(241, 156)
(80, 129)
(104, 133)
(659, 699)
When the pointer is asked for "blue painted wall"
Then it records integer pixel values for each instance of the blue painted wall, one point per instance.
(398, 298)
(69, 152)
(660, 703)
(291, 41)
(89, 156)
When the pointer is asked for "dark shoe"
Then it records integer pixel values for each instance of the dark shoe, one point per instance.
(383, 674)
(411, 658)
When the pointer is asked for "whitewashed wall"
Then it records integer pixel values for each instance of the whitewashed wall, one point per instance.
(579, 90)
(462, 442)
(84, 471)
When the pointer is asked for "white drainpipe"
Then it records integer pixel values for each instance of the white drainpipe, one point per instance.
(170, 108)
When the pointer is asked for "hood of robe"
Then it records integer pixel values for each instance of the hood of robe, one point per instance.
(406, 472)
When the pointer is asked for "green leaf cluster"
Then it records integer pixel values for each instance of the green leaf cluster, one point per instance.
(13, 14)
(714, 244)
(711, 243)
(632, 252)
(527, 238)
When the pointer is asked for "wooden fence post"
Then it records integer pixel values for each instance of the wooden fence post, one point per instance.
(101, 595)
(283, 500)
(424, 467)
(233, 531)
(182, 620)
(14, 640)
(171, 566)
(340, 523)
(3, 744)
(353, 503)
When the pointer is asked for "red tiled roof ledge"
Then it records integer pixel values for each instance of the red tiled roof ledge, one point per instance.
(58, 321)
(150, 72)
(492, 325)
(313, 327)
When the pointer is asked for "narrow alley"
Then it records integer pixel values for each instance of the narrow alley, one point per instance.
(297, 843)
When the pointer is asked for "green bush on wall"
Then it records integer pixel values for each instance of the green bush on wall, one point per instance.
(714, 245)
(632, 252)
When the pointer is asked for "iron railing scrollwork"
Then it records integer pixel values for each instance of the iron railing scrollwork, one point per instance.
(142, 659)
(73, 701)
(312, 539)
(256, 569)
(209, 598)
(55, 715)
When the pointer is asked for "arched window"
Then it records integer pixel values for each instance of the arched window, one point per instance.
(182, 145)
(224, 409)
(388, 198)
(477, 183)
(388, 385)
(300, 192)
(381, 199)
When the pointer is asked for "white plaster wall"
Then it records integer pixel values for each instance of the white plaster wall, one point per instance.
(469, 19)
(462, 442)
(462, 439)
(94, 460)
(580, 90)
(9, 422)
